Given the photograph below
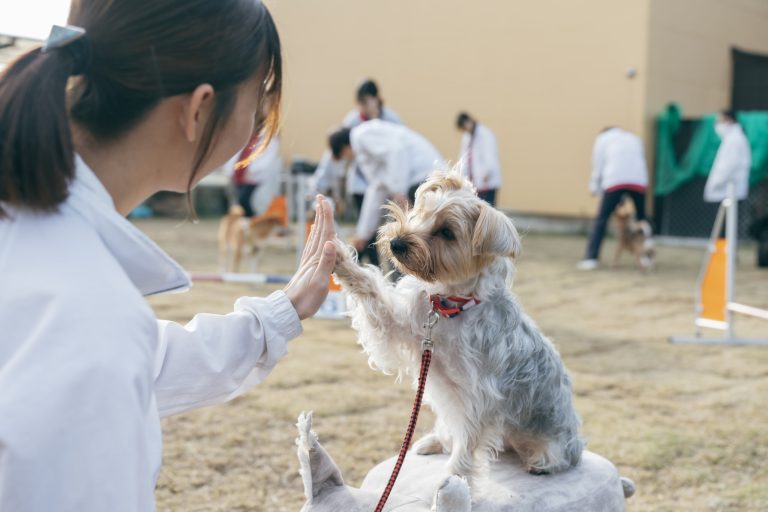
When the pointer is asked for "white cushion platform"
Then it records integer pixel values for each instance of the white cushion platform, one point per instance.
(592, 486)
(425, 485)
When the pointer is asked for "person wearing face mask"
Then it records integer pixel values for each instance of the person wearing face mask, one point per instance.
(618, 170)
(732, 162)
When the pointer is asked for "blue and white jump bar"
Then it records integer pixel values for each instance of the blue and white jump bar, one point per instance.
(234, 277)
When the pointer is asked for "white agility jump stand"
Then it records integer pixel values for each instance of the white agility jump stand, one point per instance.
(715, 307)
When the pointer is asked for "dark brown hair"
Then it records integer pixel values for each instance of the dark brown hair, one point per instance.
(338, 140)
(134, 54)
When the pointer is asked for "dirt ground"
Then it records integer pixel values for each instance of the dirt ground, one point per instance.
(687, 423)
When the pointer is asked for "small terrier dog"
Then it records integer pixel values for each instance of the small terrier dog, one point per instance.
(496, 382)
(237, 234)
(634, 236)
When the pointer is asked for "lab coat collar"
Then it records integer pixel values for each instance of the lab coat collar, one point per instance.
(150, 269)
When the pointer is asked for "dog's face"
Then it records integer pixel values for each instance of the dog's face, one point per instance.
(449, 235)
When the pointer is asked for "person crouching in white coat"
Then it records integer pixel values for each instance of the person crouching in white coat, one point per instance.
(732, 162)
(394, 160)
(86, 370)
(479, 157)
(329, 171)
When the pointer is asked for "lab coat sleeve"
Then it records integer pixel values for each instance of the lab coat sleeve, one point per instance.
(216, 357)
(391, 116)
(723, 169)
(484, 161)
(326, 173)
(370, 212)
(493, 151)
(598, 162)
(462, 161)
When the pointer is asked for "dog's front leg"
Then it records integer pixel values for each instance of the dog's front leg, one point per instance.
(386, 317)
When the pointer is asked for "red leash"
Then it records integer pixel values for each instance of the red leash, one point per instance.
(426, 358)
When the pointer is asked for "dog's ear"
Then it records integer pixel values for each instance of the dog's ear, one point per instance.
(494, 234)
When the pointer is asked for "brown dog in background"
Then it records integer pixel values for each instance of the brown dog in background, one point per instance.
(634, 236)
(237, 234)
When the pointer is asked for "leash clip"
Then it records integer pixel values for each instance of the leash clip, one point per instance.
(432, 318)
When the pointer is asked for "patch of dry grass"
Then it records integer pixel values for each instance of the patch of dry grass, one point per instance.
(688, 424)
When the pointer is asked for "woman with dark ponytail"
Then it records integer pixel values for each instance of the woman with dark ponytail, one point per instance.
(134, 97)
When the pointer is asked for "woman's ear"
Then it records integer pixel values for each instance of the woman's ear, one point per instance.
(196, 109)
(494, 234)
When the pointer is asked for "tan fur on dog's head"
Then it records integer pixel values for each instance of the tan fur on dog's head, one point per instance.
(449, 235)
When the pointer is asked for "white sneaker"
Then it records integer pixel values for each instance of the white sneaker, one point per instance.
(587, 265)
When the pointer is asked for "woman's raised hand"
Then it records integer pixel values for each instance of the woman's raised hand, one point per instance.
(309, 285)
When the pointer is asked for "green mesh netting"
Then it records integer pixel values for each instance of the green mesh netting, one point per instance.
(698, 158)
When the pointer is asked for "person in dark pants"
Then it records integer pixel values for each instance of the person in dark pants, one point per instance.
(608, 204)
(249, 170)
(369, 251)
(618, 169)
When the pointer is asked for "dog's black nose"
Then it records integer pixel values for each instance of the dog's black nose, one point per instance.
(398, 247)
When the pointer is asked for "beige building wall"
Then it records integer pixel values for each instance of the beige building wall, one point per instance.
(690, 50)
(545, 75)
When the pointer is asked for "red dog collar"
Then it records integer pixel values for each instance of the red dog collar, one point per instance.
(452, 305)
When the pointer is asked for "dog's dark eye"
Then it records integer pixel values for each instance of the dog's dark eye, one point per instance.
(445, 233)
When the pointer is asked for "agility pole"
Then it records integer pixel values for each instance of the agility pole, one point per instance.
(715, 286)
(233, 277)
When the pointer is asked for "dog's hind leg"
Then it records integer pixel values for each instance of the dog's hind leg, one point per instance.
(437, 441)
(619, 248)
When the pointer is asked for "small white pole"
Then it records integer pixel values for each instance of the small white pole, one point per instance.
(731, 240)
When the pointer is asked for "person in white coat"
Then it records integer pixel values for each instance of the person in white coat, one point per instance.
(330, 171)
(86, 370)
(618, 169)
(248, 171)
(394, 159)
(479, 157)
(732, 162)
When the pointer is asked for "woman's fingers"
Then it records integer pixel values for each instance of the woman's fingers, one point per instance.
(329, 226)
(317, 226)
(311, 244)
(309, 285)
(323, 228)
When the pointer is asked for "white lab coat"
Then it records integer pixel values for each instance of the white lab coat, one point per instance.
(392, 158)
(618, 158)
(330, 171)
(86, 371)
(732, 163)
(486, 166)
(262, 168)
